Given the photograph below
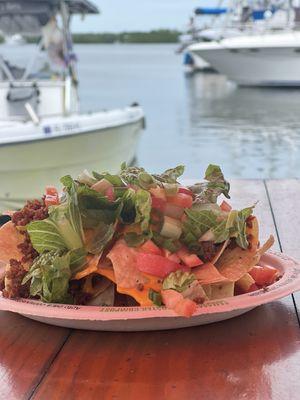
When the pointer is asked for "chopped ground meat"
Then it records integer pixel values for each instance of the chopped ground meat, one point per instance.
(14, 276)
(26, 247)
(209, 251)
(35, 210)
(2, 284)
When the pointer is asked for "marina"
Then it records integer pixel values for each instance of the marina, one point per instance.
(149, 183)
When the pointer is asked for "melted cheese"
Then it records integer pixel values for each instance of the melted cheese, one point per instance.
(141, 296)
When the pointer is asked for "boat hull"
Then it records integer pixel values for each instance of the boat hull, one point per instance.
(27, 167)
(266, 67)
(266, 60)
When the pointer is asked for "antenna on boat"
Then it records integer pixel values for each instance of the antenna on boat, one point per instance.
(70, 59)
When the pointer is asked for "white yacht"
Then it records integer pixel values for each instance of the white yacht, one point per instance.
(268, 58)
(42, 133)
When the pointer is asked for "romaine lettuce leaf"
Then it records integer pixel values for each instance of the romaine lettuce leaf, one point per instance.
(45, 236)
(96, 208)
(50, 275)
(136, 208)
(100, 237)
(215, 185)
(142, 208)
(139, 177)
(63, 228)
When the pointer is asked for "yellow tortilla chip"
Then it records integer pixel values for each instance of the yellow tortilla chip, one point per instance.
(91, 267)
(207, 273)
(141, 296)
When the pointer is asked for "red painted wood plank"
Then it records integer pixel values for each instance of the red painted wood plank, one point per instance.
(27, 348)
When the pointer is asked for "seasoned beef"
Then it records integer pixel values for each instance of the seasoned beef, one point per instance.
(14, 276)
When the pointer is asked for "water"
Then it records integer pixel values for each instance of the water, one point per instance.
(194, 120)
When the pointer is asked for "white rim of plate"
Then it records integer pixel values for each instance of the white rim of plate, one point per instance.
(289, 283)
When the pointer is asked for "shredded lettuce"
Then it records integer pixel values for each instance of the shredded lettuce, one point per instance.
(215, 185)
(178, 280)
(171, 245)
(142, 208)
(155, 297)
(134, 239)
(115, 180)
(49, 276)
(199, 222)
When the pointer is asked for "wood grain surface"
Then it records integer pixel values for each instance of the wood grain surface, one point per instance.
(248, 357)
(255, 356)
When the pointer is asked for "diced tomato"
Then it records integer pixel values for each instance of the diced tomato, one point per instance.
(156, 265)
(176, 302)
(185, 190)
(252, 288)
(225, 206)
(173, 211)
(191, 260)
(158, 204)
(170, 298)
(51, 191)
(181, 200)
(150, 247)
(185, 308)
(102, 185)
(159, 193)
(171, 256)
(110, 193)
(51, 200)
(263, 275)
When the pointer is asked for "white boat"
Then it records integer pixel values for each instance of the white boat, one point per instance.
(14, 40)
(266, 54)
(42, 133)
(259, 60)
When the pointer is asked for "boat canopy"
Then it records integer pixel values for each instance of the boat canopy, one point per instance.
(210, 11)
(27, 17)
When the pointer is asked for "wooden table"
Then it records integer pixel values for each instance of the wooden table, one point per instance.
(254, 356)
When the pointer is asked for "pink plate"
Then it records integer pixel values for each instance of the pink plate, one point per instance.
(156, 318)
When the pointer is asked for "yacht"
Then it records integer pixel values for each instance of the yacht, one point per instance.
(268, 58)
(43, 135)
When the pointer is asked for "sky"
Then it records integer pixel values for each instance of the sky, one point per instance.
(140, 15)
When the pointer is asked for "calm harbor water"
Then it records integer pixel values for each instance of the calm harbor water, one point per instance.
(194, 120)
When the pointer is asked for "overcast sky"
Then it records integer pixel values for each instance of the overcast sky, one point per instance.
(142, 15)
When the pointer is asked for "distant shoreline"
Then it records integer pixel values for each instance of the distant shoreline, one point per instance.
(155, 36)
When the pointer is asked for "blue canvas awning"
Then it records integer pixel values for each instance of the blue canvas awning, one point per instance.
(210, 11)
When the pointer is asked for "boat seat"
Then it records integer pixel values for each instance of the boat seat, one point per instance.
(18, 95)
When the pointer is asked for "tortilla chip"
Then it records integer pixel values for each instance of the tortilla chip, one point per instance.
(123, 259)
(207, 273)
(220, 252)
(106, 270)
(10, 238)
(91, 266)
(235, 263)
(222, 290)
